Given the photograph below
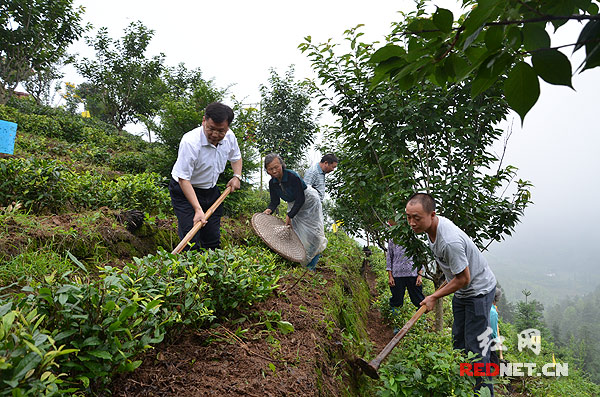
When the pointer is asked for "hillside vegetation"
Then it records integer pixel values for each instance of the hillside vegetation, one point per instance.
(93, 303)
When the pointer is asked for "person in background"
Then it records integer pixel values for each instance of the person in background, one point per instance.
(467, 272)
(315, 175)
(494, 326)
(402, 275)
(202, 157)
(305, 214)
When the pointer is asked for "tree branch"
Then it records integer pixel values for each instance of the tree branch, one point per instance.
(546, 18)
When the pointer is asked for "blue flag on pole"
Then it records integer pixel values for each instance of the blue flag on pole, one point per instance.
(8, 132)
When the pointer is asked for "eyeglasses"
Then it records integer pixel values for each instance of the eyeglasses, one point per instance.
(273, 168)
(213, 130)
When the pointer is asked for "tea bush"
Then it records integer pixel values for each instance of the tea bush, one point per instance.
(27, 354)
(426, 365)
(142, 191)
(246, 201)
(39, 184)
(133, 163)
(109, 320)
(44, 186)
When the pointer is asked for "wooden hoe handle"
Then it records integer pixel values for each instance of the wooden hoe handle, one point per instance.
(370, 368)
(199, 225)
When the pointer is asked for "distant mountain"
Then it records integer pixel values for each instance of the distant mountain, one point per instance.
(548, 282)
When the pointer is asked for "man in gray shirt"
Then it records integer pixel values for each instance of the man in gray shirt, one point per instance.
(315, 175)
(466, 270)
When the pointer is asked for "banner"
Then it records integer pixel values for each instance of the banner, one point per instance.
(8, 132)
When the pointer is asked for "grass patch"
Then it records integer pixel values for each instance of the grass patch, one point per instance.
(34, 265)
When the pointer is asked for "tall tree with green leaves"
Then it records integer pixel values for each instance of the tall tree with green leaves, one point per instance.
(181, 109)
(394, 142)
(287, 121)
(44, 83)
(494, 40)
(529, 314)
(122, 83)
(34, 36)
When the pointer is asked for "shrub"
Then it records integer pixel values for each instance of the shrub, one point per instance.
(246, 202)
(142, 191)
(40, 185)
(90, 153)
(27, 354)
(49, 186)
(109, 320)
(426, 366)
(134, 163)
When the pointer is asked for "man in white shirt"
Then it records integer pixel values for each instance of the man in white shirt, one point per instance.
(202, 157)
(315, 175)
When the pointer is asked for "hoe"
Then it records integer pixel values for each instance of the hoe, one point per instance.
(370, 368)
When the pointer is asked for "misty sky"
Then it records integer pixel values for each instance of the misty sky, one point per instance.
(236, 42)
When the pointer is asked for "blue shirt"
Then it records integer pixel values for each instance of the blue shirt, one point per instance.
(315, 177)
(400, 264)
(291, 188)
(494, 321)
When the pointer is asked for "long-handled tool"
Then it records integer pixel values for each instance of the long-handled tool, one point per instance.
(199, 225)
(370, 368)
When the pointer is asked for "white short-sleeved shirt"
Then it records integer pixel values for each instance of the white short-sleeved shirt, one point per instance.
(200, 162)
(454, 251)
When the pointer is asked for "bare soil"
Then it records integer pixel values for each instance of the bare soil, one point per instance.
(216, 362)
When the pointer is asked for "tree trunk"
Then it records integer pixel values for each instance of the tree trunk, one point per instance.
(260, 167)
(439, 315)
(438, 280)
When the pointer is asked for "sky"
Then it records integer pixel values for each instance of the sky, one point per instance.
(557, 147)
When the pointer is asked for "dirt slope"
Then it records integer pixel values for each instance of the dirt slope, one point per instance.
(216, 362)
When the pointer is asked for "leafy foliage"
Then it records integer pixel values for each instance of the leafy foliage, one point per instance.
(110, 320)
(122, 83)
(182, 108)
(51, 186)
(576, 384)
(287, 124)
(427, 366)
(394, 142)
(27, 354)
(34, 36)
(489, 42)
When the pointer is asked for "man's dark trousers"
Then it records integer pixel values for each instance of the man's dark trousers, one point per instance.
(415, 292)
(471, 319)
(209, 237)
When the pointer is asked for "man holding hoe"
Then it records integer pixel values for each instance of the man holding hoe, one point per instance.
(467, 273)
(202, 157)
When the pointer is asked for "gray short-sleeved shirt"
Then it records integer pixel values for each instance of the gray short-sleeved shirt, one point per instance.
(454, 251)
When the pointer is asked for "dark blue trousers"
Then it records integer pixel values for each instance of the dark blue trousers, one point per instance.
(406, 283)
(471, 319)
(209, 237)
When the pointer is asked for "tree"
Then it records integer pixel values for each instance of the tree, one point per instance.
(530, 315)
(34, 35)
(122, 83)
(393, 142)
(575, 325)
(287, 123)
(182, 108)
(506, 309)
(493, 40)
(40, 84)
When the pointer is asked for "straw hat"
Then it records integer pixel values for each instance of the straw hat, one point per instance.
(279, 237)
